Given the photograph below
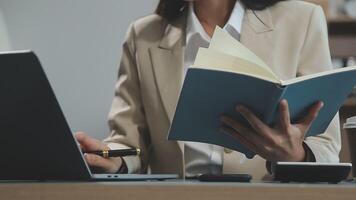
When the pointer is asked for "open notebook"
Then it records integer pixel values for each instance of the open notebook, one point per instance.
(227, 74)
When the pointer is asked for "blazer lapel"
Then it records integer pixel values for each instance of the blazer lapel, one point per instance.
(167, 63)
(257, 33)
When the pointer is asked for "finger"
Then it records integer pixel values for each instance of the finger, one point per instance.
(256, 147)
(239, 138)
(249, 134)
(89, 144)
(237, 126)
(253, 120)
(248, 137)
(98, 161)
(307, 121)
(80, 136)
(284, 115)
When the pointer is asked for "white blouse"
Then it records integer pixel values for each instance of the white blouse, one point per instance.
(203, 158)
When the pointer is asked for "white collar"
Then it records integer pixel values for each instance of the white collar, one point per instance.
(194, 26)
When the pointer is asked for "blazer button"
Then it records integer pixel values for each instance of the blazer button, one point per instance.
(227, 150)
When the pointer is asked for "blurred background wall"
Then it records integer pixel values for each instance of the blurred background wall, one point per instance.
(79, 45)
(4, 37)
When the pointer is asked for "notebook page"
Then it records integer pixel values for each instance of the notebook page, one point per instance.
(222, 41)
(317, 75)
(215, 60)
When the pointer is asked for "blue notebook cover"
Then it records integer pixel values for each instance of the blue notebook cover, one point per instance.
(208, 94)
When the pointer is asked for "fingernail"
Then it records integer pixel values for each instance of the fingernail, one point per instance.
(284, 101)
(321, 104)
(86, 157)
(239, 108)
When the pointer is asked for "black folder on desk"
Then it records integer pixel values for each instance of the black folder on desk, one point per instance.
(36, 142)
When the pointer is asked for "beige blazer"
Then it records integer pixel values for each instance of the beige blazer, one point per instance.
(291, 37)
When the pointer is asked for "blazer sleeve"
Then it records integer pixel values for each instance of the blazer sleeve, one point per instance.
(127, 119)
(315, 57)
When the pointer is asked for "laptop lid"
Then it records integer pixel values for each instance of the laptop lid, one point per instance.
(36, 142)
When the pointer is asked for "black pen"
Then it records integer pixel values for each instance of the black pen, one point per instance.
(117, 153)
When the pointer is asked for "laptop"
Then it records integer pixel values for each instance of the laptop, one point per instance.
(36, 142)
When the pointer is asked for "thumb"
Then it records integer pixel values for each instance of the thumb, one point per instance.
(89, 144)
(108, 165)
(307, 121)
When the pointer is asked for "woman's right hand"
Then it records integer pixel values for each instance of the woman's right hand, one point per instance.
(87, 144)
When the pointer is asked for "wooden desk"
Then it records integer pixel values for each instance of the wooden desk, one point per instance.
(172, 191)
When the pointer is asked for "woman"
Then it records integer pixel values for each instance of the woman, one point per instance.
(290, 36)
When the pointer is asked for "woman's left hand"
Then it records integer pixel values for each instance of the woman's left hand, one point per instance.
(284, 142)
